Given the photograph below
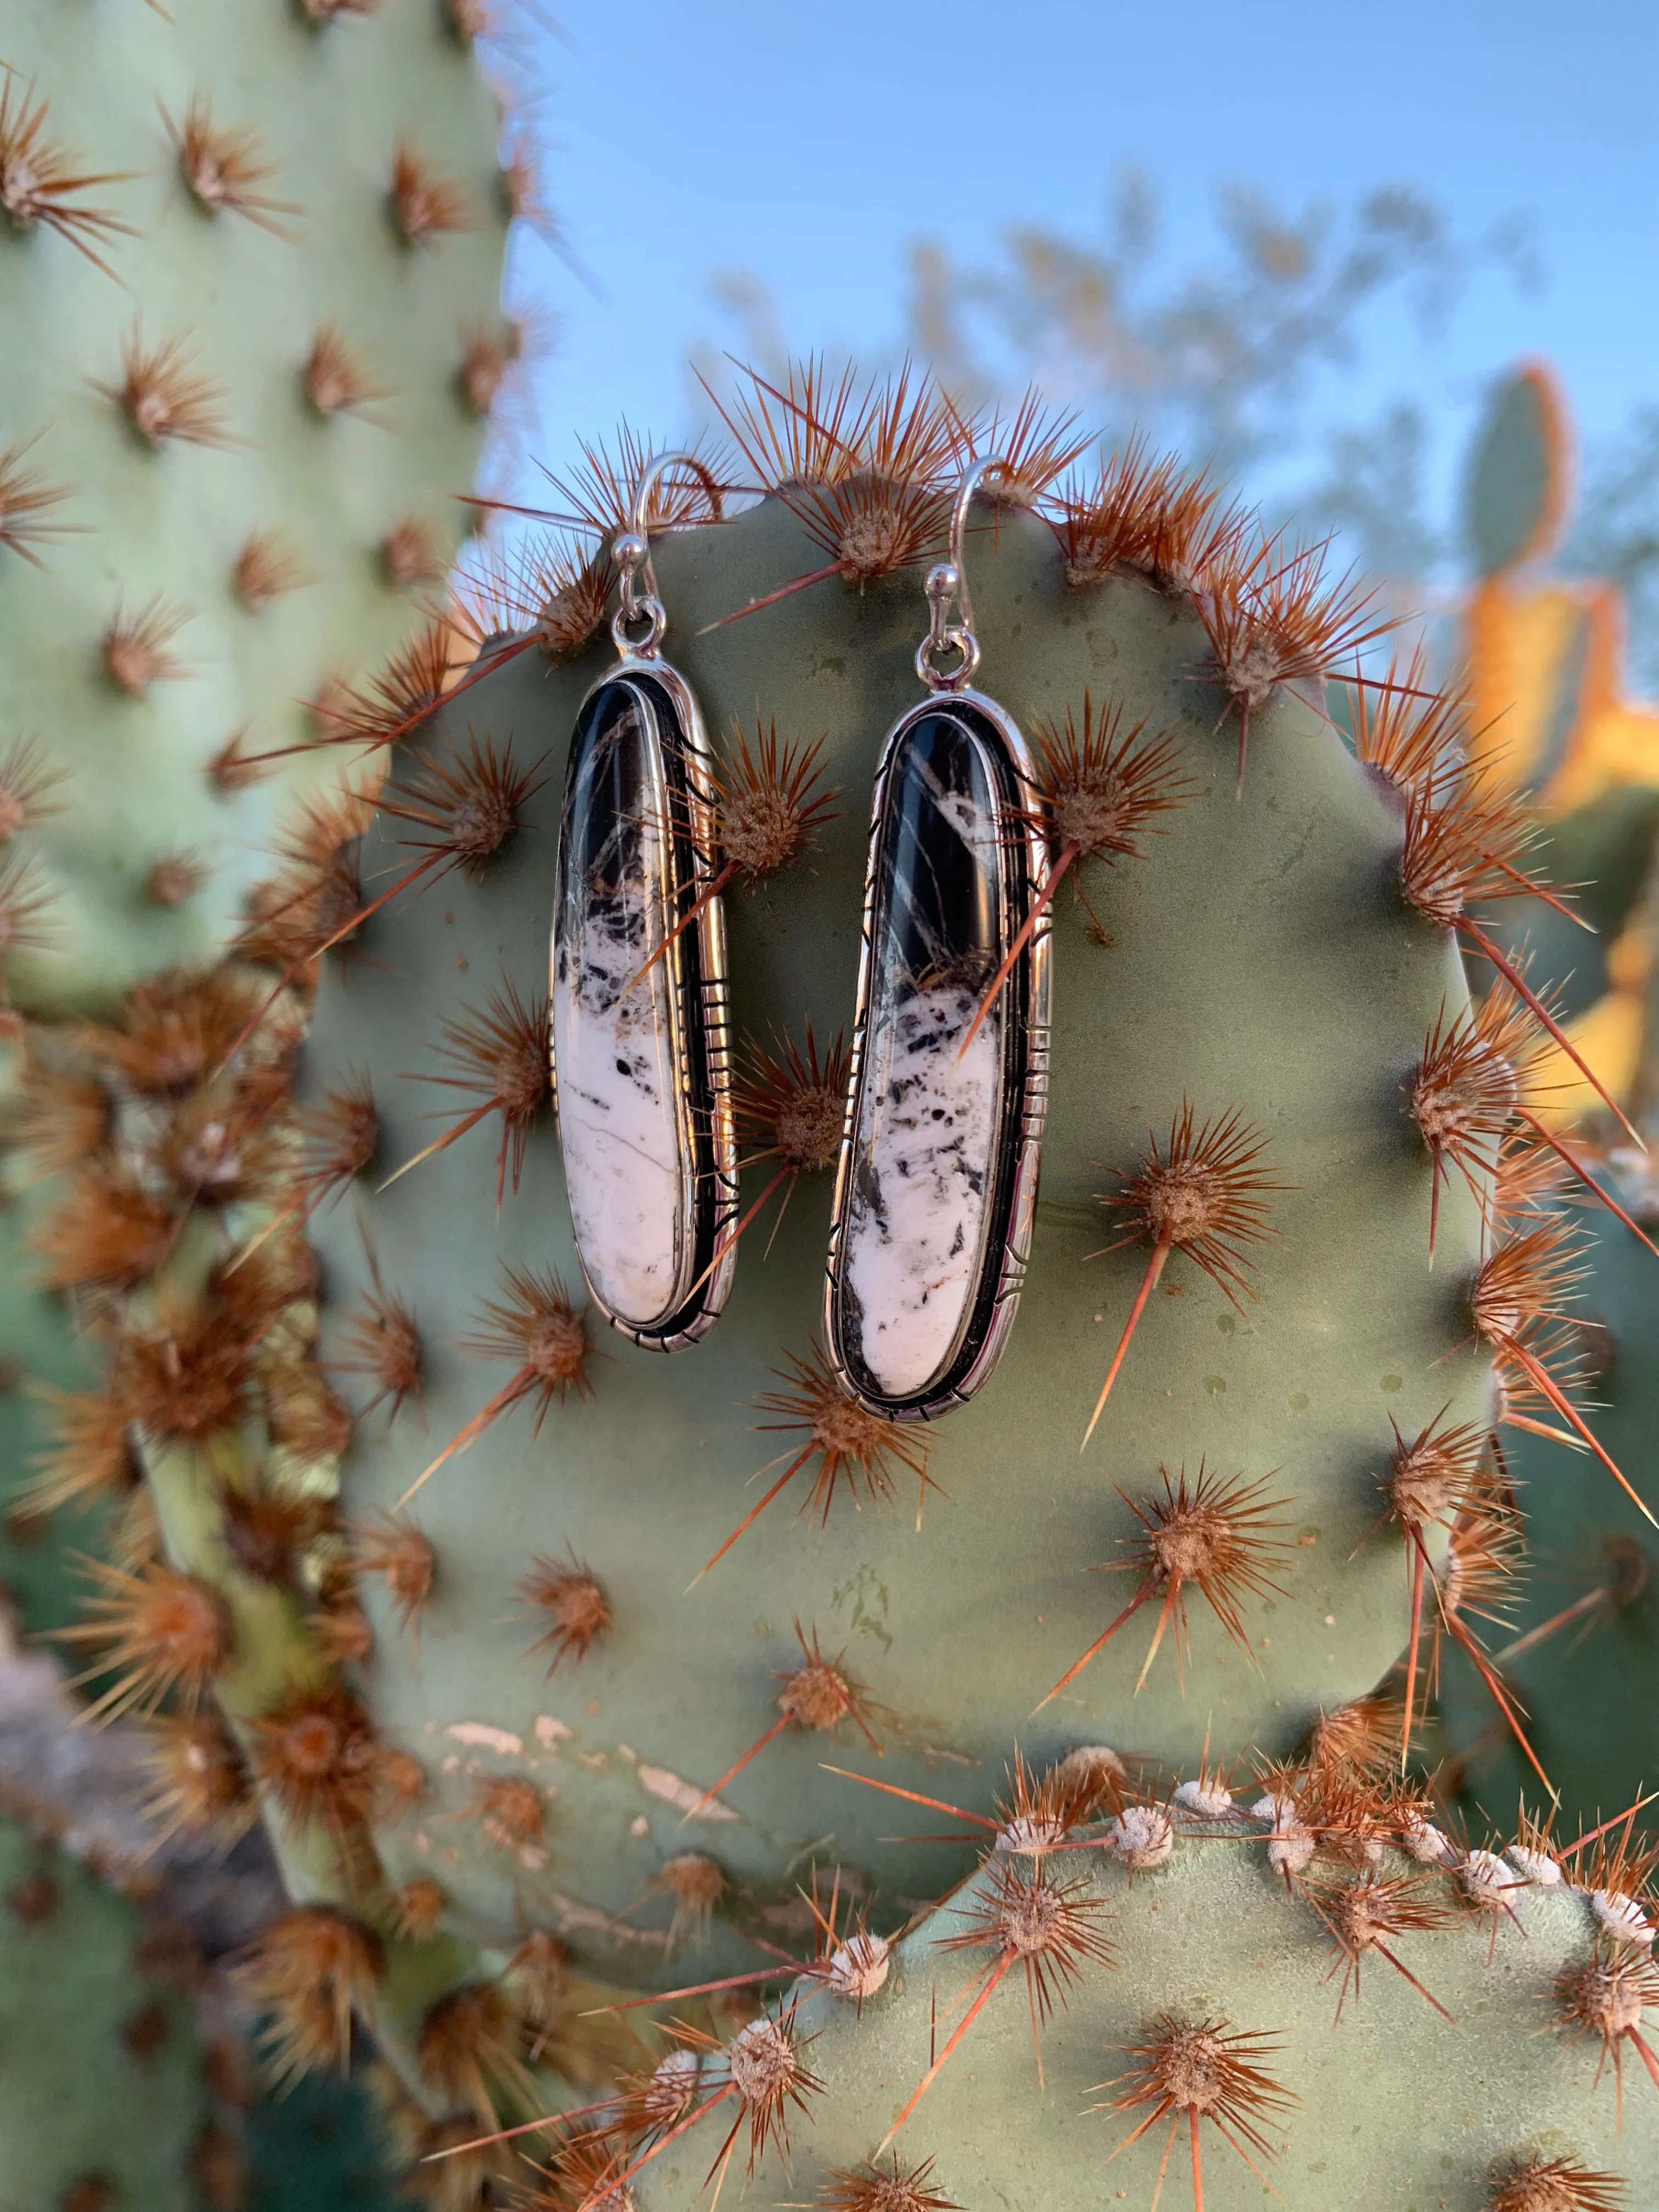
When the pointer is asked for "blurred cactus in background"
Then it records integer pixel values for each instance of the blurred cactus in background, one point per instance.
(250, 277)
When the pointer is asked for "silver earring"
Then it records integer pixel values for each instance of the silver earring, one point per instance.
(937, 1182)
(641, 1073)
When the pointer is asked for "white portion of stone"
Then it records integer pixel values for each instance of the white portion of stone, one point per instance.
(618, 1119)
(914, 1230)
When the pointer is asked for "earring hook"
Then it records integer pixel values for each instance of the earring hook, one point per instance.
(631, 552)
(948, 582)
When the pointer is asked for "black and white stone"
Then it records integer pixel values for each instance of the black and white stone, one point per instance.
(919, 1250)
(614, 1042)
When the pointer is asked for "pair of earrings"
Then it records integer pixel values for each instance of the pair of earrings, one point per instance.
(937, 1180)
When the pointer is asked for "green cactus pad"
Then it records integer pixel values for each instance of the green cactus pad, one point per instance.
(239, 274)
(1395, 2107)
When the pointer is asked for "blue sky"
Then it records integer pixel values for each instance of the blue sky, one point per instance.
(808, 143)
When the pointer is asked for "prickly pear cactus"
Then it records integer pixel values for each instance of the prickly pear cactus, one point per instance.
(561, 1669)
(1074, 2028)
(250, 265)
(574, 1705)
(1516, 494)
(103, 2102)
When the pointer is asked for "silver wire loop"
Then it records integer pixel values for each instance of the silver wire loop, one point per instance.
(631, 552)
(948, 582)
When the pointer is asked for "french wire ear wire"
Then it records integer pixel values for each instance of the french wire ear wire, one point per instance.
(641, 1054)
(936, 1186)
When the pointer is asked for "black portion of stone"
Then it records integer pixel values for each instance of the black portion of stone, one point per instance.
(938, 913)
(606, 794)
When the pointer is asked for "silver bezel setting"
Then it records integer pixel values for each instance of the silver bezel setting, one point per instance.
(710, 1209)
(1025, 847)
